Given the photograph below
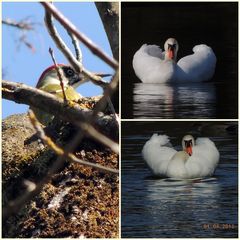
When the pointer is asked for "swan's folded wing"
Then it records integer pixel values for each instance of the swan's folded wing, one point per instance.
(153, 51)
(157, 154)
(147, 56)
(205, 158)
(160, 140)
(208, 149)
(199, 66)
(149, 65)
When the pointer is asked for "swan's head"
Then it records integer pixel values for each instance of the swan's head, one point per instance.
(187, 144)
(171, 49)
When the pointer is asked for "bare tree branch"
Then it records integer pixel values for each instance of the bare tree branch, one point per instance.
(47, 102)
(71, 28)
(23, 25)
(68, 54)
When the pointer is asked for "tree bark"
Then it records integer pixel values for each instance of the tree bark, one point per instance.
(109, 13)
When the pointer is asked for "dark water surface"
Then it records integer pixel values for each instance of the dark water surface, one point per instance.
(197, 100)
(153, 207)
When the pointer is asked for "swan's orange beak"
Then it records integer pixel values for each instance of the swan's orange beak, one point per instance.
(171, 53)
(189, 150)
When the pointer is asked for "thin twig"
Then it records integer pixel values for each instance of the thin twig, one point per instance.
(85, 40)
(23, 25)
(59, 73)
(23, 39)
(108, 91)
(113, 110)
(77, 48)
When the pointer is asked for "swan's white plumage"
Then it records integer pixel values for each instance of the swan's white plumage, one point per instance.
(197, 67)
(149, 61)
(151, 65)
(166, 161)
(153, 50)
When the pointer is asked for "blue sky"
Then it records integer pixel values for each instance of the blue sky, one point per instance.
(20, 64)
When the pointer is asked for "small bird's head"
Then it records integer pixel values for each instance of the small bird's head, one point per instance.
(50, 76)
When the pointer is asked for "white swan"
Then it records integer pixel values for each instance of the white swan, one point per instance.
(152, 65)
(195, 161)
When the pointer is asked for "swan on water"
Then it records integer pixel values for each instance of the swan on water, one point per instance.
(196, 160)
(152, 65)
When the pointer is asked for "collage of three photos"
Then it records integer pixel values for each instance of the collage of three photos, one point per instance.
(120, 119)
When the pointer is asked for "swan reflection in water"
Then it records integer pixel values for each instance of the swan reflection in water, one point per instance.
(192, 100)
(168, 207)
(182, 203)
(186, 190)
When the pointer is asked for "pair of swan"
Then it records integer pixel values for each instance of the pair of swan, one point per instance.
(152, 65)
(196, 160)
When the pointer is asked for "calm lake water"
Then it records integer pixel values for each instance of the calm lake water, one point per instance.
(200, 100)
(174, 101)
(153, 207)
